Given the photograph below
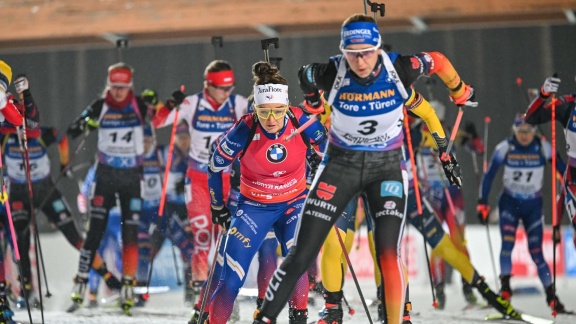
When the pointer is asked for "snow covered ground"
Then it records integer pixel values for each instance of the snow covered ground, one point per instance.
(169, 307)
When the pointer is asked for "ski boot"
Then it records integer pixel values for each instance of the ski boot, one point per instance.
(261, 319)
(406, 317)
(188, 291)
(27, 296)
(127, 295)
(505, 290)
(297, 316)
(197, 289)
(92, 299)
(500, 304)
(553, 301)
(440, 295)
(141, 299)
(468, 293)
(5, 312)
(111, 282)
(196, 316)
(332, 312)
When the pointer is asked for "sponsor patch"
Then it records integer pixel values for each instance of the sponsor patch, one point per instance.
(276, 153)
(391, 189)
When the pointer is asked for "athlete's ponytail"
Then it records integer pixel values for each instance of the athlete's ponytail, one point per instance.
(266, 73)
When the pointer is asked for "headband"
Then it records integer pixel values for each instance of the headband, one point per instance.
(220, 77)
(360, 32)
(270, 93)
(120, 77)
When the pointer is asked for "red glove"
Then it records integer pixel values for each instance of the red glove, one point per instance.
(483, 212)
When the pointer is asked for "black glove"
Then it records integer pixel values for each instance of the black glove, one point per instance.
(313, 162)
(452, 170)
(221, 217)
(180, 186)
(177, 98)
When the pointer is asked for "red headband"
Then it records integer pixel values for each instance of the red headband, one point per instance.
(120, 77)
(220, 78)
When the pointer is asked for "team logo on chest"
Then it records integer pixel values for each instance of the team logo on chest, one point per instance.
(276, 153)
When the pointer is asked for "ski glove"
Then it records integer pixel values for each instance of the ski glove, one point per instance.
(467, 99)
(550, 86)
(221, 217)
(452, 170)
(483, 212)
(177, 98)
(180, 186)
(313, 162)
(314, 103)
(21, 83)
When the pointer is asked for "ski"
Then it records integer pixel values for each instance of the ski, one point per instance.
(523, 318)
(476, 306)
(74, 307)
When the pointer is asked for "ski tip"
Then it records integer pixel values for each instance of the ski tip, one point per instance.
(73, 308)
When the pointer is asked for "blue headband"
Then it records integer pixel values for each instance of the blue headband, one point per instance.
(361, 32)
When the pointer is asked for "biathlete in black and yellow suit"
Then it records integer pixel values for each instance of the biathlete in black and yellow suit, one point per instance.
(442, 246)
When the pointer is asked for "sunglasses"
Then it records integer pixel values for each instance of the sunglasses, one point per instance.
(225, 89)
(364, 53)
(276, 113)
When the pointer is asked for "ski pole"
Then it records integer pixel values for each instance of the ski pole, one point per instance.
(446, 155)
(26, 159)
(211, 274)
(169, 160)
(555, 223)
(484, 168)
(352, 273)
(4, 200)
(418, 201)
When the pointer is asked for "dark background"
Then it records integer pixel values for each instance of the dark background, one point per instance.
(65, 81)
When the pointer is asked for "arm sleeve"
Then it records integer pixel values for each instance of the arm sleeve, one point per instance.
(316, 76)
(539, 112)
(497, 159)
(215, 188)
(419, 106)
(164, 116)
(31, 110)
(229, 146)
(89, 115)
(315, 132)
(51, 135)
(560, 165)
(411, 67)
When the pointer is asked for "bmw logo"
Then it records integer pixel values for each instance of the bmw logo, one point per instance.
(276, 153)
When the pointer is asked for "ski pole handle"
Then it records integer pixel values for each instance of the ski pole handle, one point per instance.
(301, 128)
